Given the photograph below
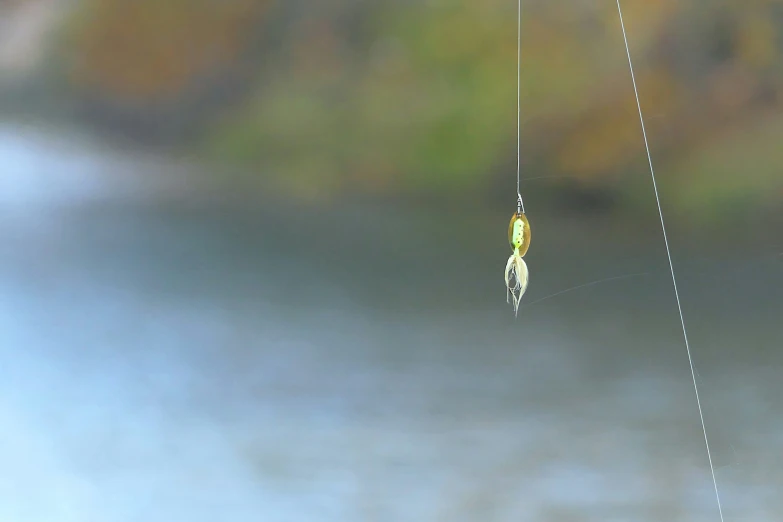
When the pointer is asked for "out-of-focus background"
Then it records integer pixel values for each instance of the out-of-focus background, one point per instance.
(252, 256)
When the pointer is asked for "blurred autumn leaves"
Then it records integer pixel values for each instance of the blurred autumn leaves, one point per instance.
(420, 97)
(152, 51)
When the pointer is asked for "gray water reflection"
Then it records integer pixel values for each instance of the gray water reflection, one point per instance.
(170, 363)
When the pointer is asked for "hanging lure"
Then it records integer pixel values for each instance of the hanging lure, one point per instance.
(516, 274)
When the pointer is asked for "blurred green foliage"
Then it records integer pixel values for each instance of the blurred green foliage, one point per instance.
(420, 97)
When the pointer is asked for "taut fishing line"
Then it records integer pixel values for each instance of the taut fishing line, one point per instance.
(671, 265)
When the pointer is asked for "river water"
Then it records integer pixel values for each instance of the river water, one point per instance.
(167, 361)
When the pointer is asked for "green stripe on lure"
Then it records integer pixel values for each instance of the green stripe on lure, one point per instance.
(516, 275)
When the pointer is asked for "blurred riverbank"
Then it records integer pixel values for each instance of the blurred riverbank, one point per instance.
(377, 102)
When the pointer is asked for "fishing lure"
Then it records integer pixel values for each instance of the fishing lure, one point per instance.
(516, 274)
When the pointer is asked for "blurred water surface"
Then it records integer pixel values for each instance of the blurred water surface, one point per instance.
(164, 361)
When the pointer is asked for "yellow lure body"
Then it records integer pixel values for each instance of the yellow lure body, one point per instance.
(519, 233)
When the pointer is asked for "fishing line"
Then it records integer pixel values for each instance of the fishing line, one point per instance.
(520, 202)
(585, 285)
(671, 264)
